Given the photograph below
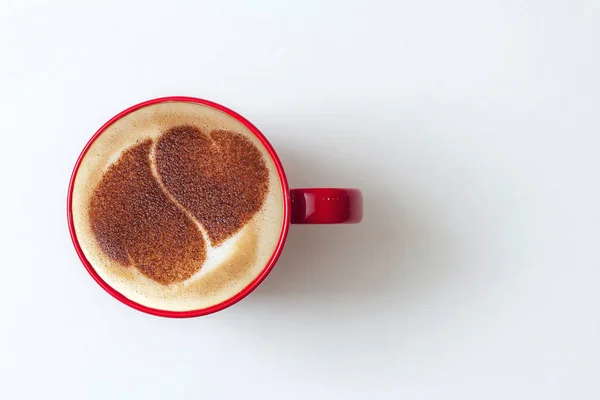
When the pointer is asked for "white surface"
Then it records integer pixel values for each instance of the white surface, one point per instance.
(471, 126)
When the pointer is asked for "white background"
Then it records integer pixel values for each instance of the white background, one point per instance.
(471, 127)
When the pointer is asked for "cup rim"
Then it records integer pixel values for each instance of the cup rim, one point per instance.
(248, 288)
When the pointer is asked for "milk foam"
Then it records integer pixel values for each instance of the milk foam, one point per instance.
(230, 266)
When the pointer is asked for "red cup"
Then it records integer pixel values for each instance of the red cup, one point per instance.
(301, 206)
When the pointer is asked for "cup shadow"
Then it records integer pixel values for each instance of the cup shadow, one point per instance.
(348, 264)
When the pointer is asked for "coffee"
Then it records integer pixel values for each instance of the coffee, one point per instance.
(178, 206)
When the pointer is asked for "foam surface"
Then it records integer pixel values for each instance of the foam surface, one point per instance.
(219, 253)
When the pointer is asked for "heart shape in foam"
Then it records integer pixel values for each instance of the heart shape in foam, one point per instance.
(220, 178)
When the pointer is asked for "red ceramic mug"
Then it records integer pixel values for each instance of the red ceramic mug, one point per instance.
(301, 206)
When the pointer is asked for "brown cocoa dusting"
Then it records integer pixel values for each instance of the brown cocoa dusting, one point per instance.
(136, 224)
(221, 177)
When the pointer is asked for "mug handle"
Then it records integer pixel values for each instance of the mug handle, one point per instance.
(326, 206)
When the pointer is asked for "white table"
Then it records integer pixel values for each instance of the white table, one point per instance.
(471, 127)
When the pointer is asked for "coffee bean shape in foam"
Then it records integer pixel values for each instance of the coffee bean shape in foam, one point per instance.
(219, 176)
(135, 223)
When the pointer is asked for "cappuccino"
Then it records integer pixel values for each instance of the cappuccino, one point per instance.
(178, 206)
